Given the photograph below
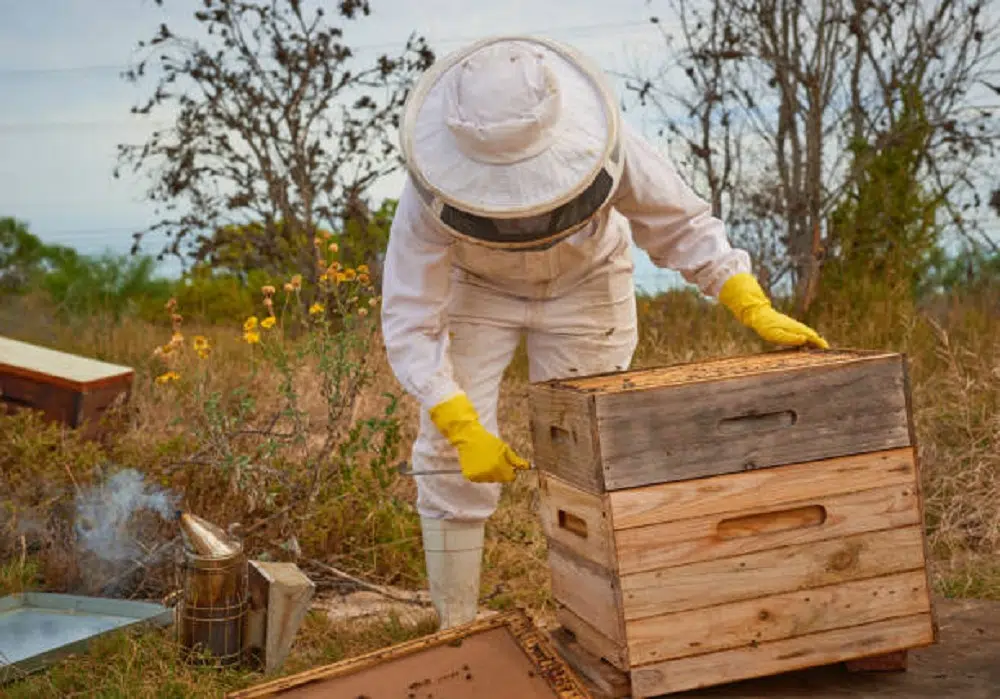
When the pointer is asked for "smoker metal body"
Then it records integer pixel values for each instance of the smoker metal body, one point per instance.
(212, 612)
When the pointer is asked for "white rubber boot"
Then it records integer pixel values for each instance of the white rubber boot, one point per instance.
(454, 553)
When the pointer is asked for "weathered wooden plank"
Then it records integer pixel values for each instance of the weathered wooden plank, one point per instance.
(781, 656)
(717, 369)
(564, 437)
(776, 617)
(771, 572)
(669, 502)
(586, 589)
(605, 681)
(592, 640)
(691, 540)
(887, 662)
(918, 480)
(700, 430)
(56, 403)
(576, 519)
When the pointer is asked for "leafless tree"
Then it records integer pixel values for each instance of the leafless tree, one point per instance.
(795, 85)
(277, 129)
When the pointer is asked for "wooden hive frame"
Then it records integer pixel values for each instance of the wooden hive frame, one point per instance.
(537, 648)
(738, 559)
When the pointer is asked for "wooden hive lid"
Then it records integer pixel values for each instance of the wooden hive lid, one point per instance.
(56, 367)
(715, 369)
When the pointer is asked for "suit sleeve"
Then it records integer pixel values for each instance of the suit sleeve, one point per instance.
(416, 289)
(671, 223)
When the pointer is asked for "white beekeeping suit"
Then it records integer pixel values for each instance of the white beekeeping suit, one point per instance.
(523, 185)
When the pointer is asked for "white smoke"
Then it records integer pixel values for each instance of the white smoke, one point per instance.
(105, 512)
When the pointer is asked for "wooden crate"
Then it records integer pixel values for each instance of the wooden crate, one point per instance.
(65, 387)
(735, 518)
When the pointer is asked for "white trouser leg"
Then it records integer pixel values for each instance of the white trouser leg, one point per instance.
(453, 551)
(485, 328)
(593, 329)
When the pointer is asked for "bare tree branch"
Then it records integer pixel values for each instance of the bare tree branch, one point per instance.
(278, 124)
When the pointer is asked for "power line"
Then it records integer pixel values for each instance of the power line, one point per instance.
(99, 124)
(15, 126)
(572, 31)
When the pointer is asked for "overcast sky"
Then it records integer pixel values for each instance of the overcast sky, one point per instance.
(65, 106)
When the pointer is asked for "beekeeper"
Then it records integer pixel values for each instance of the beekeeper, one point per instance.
(523, 184)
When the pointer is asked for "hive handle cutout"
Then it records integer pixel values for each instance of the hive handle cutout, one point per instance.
(572, 523)
(771, 522)
(559, 435)
(757, 422)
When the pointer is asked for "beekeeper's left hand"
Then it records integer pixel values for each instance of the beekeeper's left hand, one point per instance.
(742, 295)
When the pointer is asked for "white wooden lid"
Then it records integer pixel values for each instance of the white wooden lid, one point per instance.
(26, 359)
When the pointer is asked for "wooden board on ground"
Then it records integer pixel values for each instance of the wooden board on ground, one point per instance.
(502, 656)
(964, 663)
(64, 387)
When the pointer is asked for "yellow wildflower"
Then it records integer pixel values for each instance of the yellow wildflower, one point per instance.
(334, 267)
(252, 337)
(316, 309)
(350, 274)
(363, 269)
(268, 322)
(200, 342)
(341, 277)
(364, 279)
(167, 377)
(250, 324)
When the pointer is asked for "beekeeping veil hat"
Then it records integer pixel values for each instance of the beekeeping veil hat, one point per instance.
(513, 142)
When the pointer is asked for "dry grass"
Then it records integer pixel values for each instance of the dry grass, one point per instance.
(954, 352)
(149, 664)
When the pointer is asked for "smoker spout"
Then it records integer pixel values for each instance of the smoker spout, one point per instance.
(206, 539)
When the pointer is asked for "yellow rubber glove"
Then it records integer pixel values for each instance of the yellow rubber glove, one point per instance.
(484, 458)
(742, 295)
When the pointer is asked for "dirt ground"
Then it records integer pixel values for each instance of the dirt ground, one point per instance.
(965, 664)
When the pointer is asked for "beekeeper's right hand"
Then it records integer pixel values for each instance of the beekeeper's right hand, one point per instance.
(484, 458)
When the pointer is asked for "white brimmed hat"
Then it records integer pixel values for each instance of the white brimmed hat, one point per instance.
(513, 141)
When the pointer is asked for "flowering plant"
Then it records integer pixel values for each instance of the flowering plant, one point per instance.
(304, 458)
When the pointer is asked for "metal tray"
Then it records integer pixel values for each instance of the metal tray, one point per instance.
(37, 629)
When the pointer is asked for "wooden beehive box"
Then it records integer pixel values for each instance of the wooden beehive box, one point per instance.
(735, 518)
(66, 388)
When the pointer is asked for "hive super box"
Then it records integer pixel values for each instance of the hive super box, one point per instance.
(65, 387)
(734, 518)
